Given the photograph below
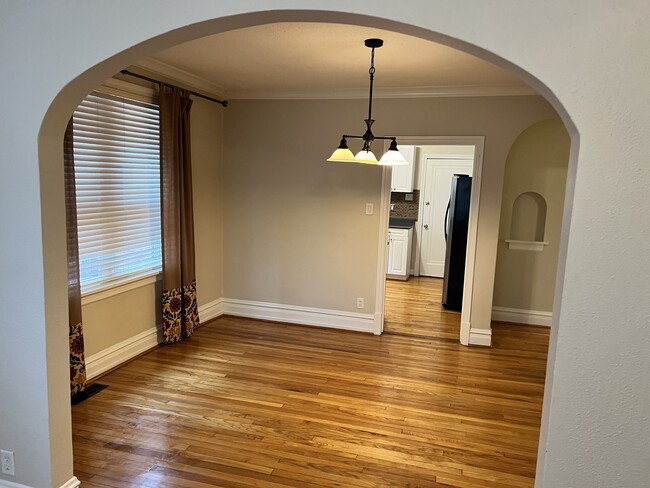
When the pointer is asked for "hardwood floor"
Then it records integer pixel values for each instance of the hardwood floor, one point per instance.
(414, 308)
(246, 403)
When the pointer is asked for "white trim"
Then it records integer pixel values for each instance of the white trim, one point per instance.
(378, 325)
(211, 310)
(121, 352)
(521, 316)
(294, 314)
(180, 76)
(132, 284)
(71, 483)
(480, 337)
(434, 91)
(382, 247)
(470, 267)
(472, 242)
(11, 484)
(526, 245)
(172, 73)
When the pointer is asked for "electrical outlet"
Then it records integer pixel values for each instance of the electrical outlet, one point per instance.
(359, 302)
(7, 458)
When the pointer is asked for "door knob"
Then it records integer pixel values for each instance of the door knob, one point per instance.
(426, 226)
(427, 203)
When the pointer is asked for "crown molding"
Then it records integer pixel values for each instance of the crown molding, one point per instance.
(159, 69)
(440, 91)
(178, 76)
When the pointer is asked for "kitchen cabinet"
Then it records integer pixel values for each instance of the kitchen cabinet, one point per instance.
(398, 261)
(402, 178)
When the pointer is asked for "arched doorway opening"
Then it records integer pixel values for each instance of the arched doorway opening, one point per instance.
(68, 98)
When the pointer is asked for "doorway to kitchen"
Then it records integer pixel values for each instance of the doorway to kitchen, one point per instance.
(415, 200)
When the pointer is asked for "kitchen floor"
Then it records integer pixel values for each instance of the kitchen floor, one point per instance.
(414, 308)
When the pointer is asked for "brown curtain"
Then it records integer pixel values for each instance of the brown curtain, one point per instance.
(180, 313)
(77, 360)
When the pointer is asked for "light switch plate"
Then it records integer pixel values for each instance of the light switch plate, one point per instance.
(370, 209)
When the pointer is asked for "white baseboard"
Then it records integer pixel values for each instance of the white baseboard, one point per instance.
(121, 352)
(211, 310)
(71, 483)
(294, 314)
(520, 316)
(480, 337)
(117, 354)
(11, 484)
(378, 323)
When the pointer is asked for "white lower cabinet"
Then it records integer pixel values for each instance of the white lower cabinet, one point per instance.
(398, 262)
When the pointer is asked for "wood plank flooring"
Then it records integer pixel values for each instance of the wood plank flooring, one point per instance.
(247, 403)
(414, 308)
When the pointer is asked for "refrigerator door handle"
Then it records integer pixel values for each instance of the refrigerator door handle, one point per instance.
(447, 220)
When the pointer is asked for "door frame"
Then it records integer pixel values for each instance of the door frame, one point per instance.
(470, 263)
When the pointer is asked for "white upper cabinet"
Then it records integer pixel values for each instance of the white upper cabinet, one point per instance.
(402, 180)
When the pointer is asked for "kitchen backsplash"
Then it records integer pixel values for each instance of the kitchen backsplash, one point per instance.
(404, 208)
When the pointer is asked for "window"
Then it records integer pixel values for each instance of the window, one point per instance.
(117, 173)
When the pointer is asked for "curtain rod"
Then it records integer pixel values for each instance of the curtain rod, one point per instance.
(196, 94)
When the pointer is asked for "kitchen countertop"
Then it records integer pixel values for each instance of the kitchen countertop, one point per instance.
(401, 222)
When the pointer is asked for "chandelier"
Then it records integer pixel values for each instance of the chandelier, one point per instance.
(392, 157)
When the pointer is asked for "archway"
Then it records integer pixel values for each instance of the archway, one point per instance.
(63, 104)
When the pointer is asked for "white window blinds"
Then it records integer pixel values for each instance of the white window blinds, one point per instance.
(117, 173)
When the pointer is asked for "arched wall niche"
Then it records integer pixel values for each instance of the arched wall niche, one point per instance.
(528, 222)
(166, 32)
(528, 217)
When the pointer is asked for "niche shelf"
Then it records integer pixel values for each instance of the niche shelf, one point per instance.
(526, 245)
(528, 223)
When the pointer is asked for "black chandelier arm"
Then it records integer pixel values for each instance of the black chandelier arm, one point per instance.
(347, 136)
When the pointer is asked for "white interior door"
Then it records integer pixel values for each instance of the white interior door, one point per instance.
(434, 197)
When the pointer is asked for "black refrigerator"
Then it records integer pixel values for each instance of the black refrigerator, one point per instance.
(456, 225)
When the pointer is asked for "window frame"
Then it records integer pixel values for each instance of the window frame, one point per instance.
(107, 288)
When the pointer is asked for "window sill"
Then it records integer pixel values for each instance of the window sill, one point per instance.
(122, 287)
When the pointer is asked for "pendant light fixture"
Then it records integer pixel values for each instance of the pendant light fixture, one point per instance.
(392, 157)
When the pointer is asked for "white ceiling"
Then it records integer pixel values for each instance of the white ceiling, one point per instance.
(316, 60)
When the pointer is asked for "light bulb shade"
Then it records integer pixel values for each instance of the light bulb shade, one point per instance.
(366, 156)
(393, 157)
(342, 155)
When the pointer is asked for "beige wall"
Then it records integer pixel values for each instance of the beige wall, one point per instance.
(537, 162)
(207, 180)
(295, 229)
(120, 317)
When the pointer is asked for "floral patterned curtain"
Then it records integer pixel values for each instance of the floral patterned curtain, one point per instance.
(179, 309)
(77, 360)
